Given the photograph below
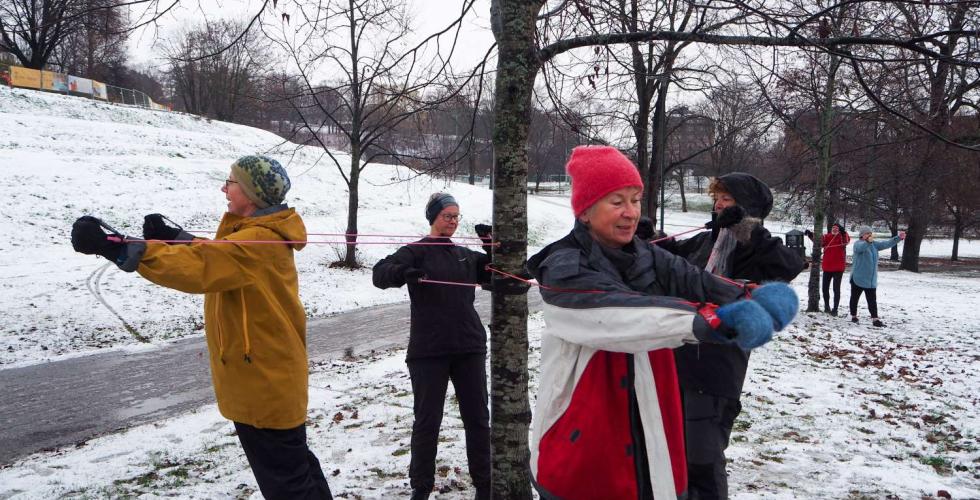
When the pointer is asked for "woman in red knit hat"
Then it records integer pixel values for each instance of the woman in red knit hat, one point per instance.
(608, 420)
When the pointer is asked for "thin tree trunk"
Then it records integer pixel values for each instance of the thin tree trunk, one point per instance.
(680, 185)
(824, 168)
(513, 23)
(659, 157)
(957, 234)
(350, 256)
(893, 226)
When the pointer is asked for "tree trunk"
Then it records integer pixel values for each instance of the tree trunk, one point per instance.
(893, 226)
(659, 156)
(824, 169)
(513, 23)
(350, 256)
(471, 164)
(680, 185)
(913, 241)
(957, 234)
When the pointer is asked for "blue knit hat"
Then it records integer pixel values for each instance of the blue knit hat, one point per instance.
(262, 179)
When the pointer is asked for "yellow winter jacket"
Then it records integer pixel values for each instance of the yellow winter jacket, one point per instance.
(254, 321)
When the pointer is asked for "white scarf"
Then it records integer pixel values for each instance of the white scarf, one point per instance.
(718, 260)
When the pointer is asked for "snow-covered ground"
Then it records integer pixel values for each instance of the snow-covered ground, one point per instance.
(832, 410)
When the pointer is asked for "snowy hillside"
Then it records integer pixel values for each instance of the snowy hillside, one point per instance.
(63, 157)
(831, 409)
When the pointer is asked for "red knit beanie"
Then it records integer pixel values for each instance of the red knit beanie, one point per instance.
(597, 171)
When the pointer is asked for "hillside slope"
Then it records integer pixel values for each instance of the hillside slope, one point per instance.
(62, 157)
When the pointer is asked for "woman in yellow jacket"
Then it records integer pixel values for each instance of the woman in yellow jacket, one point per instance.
(254, 321)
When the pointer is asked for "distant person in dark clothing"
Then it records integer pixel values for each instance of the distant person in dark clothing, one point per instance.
(864, 271)
(447, 342)
(711, 375)
(834, 247)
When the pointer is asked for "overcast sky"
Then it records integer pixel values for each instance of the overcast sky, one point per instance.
(428, 16)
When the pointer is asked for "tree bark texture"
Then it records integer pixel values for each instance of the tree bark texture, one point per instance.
(350, 257)
(513, 23)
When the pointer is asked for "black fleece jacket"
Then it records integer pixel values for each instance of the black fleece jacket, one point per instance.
(444, 321)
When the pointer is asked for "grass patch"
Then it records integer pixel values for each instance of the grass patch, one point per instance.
(941, 465)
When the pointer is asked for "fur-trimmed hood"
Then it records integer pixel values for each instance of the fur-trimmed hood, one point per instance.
(743, 230)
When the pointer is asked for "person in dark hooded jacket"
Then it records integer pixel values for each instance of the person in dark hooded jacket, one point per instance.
(710, 375)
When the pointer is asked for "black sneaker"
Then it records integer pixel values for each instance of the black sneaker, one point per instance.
(877, 323)
(854, 319)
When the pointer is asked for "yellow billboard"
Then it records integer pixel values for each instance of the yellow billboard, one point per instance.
(24, 77)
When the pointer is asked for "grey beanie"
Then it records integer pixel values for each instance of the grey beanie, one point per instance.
(437, 203)
(863, 230)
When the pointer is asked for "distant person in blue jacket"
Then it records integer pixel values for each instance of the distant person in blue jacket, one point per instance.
(864, 271)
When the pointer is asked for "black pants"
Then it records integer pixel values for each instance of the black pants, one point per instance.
(827, 278)
(708, 422)
(283, 464)
(430, 378)
(871, 296)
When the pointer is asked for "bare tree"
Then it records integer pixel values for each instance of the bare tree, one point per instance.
(31, 30)
(96, 48)
(381, 84)
(221, 85)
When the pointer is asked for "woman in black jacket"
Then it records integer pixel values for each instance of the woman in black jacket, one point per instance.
(447, 342)
(711, 375)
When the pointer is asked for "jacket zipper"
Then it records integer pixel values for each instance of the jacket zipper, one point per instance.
(640, 458)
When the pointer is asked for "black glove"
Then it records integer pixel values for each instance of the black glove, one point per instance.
(154, 228)
(413, 275)
(808, 233)
(484, 231)
(645, 229)
(727, 218)
(88, 237)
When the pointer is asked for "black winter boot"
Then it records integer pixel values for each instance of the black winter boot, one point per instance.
(833, 312)
(826, 308)
(854, 319)
(420, 494)
(877, 322)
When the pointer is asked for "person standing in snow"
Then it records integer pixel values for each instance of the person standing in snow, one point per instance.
(255, 324)
(864, 271)
(608, 422)
(834, 246)
(711, 376)
(447, 342)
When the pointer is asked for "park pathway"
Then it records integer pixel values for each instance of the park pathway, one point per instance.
(62, 403)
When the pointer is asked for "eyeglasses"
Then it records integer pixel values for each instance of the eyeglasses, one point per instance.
(229, 181)
(452, 217)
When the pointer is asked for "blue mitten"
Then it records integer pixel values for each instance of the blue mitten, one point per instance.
(779, 300)
(752, 324)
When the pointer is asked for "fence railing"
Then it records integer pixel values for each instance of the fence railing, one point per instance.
(18, 76)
